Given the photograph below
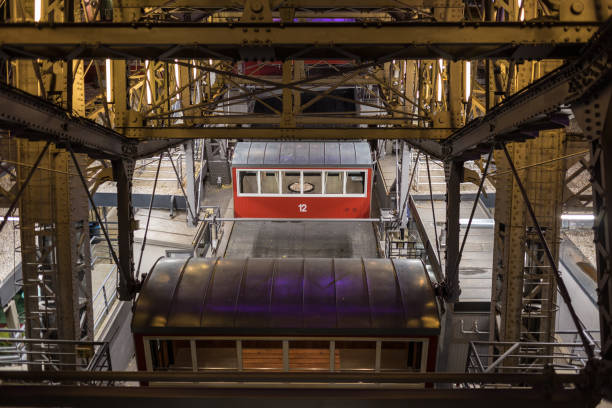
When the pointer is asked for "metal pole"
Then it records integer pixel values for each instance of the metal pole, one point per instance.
(24, 185)
(588, 345)
(144, 239)
(202, 175)
(452, 291)
(501, 358)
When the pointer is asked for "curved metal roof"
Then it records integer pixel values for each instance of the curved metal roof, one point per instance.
(298, 154)
(208, 296)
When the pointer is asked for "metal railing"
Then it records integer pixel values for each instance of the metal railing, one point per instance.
(19, 353)
(209, 233)
(107, 293)
(525, 357)
(98, 247)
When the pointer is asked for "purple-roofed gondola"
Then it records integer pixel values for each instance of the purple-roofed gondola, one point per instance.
(287, 314)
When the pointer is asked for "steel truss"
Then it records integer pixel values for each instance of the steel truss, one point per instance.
(194, 88)
(270, 41)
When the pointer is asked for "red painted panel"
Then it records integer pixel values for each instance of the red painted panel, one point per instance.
(302, 206)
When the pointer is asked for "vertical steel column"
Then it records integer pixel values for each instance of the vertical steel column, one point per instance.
(53, 213)
(601, 154)
(192, 216)
(508, 248)
(73, 254)
(122, 173)
(287, 116)
(595, 117)
(523, 288)
(453, 202)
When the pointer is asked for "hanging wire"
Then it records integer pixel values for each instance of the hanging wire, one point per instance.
(144, 239)
(24, 185)
(480, 188)
(93, 206)
(433, 211)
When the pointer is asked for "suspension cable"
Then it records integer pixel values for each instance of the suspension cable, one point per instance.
(181, 185)
(480, 188)
(144, 239)
(24, 185)
(94, 207)
(433, 211)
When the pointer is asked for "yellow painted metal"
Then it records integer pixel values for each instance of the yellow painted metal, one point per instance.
(286, 133)
(463, 41)
(53, 209)
(523, 287)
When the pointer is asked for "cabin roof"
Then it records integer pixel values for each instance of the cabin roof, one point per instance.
(302, 154)
(287, 296)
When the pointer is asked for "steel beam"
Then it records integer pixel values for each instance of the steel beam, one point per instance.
(246, 378)
(153, 397)
(33, 118)
(307, 4)
(595, 117)
(265, 41)
(286, 133)
(524, 114)
(257, 119)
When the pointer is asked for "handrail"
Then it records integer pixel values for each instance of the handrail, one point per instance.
(104, 283)
(102, 290)
(301, 377)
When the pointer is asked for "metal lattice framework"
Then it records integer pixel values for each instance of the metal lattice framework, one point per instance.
(452, 78)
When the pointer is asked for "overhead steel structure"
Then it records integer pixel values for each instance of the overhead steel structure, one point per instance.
(270, 41)
(421, 70)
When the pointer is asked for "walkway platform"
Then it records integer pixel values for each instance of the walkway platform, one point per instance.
(477, 259)
(267, 239)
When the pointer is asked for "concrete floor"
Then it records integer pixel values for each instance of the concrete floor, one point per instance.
(477, 259)
(165, 233)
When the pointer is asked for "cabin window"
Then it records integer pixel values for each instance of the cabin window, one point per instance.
(248, 182)
(292, 182)
(334, 182)
(172, 355)
(182, 355)
(308, 355)
(262, 355)
(161, 354)
(269, 182)
(355, 182)
(312, 182)
(356, 355)
(401, 355)
(216, 355)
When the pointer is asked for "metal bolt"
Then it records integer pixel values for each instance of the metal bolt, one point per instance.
(256, 6)
(577, 7)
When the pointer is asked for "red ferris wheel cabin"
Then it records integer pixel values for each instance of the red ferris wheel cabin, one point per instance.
(302, 180)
